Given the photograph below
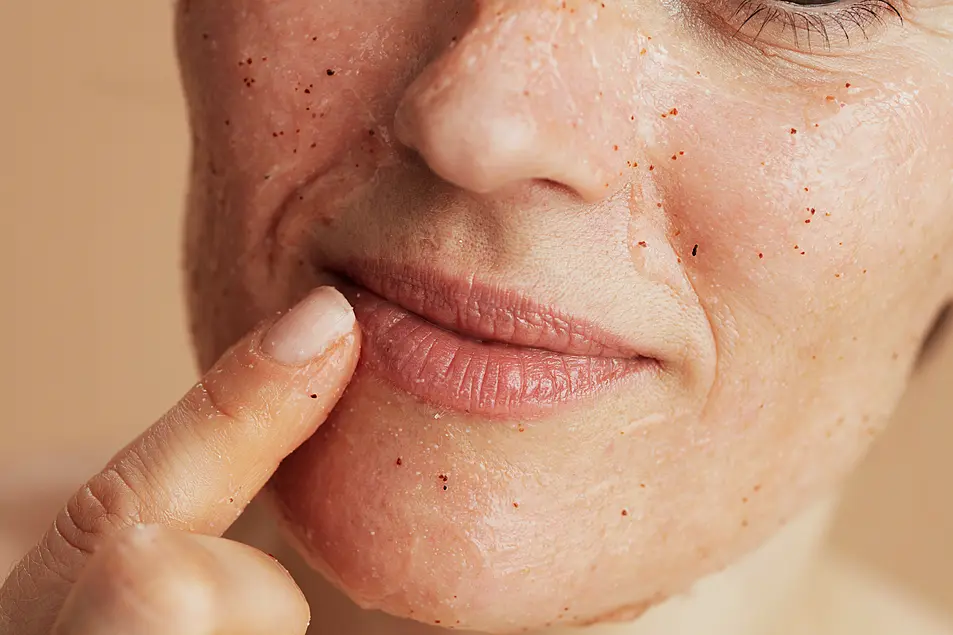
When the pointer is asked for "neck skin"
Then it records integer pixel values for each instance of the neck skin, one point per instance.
(738, 601)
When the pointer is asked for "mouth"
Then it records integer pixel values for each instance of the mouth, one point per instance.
(480, 349)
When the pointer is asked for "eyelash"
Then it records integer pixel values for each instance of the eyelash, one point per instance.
(841, 18)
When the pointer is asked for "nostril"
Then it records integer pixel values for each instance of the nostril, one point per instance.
(556, 187)
(403, 125)
(938, 331)
(541, 191)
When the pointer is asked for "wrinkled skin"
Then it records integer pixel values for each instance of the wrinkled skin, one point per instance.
(580, 151)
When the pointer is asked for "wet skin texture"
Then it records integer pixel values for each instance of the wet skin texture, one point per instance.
(765, 206)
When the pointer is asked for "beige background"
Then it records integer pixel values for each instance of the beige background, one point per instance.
(92, 167)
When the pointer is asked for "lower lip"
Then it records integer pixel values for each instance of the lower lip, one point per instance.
(458, 373)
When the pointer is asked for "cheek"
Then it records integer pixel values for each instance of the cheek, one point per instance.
(280, 92)
(743, 192)
(781, 204)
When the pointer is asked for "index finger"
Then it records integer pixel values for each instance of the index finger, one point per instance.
(199, 465)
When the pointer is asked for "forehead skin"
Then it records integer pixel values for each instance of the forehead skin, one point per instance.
(776, 217)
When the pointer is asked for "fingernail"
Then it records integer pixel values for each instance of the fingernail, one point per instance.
(307, 330)
(277, 563)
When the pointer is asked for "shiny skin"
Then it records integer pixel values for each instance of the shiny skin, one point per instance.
(778, 214)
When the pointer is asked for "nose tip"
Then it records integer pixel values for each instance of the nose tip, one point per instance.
(481, 119)
(466, 143)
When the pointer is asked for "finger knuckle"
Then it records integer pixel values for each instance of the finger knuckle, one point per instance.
(146, 576)
(108, 503)
(250, 412)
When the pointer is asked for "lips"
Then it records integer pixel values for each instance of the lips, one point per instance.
(480, 349)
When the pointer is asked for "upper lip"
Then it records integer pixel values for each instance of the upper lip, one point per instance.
(486, 310)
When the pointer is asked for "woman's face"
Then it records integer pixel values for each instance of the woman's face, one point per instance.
(636, 279)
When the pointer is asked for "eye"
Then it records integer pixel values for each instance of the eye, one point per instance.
(812, 26)
(811, 4)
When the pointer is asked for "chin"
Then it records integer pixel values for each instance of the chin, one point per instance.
(483, 524)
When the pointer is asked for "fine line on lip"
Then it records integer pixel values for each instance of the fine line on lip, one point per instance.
(485, 312)
(490, 379)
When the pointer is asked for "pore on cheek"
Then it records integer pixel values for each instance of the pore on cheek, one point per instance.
(757, 191)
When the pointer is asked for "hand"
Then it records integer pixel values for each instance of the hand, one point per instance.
(138, 549)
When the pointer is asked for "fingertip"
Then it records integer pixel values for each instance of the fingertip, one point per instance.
(310, 328)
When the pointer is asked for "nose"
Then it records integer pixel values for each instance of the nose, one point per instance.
(519, 97)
